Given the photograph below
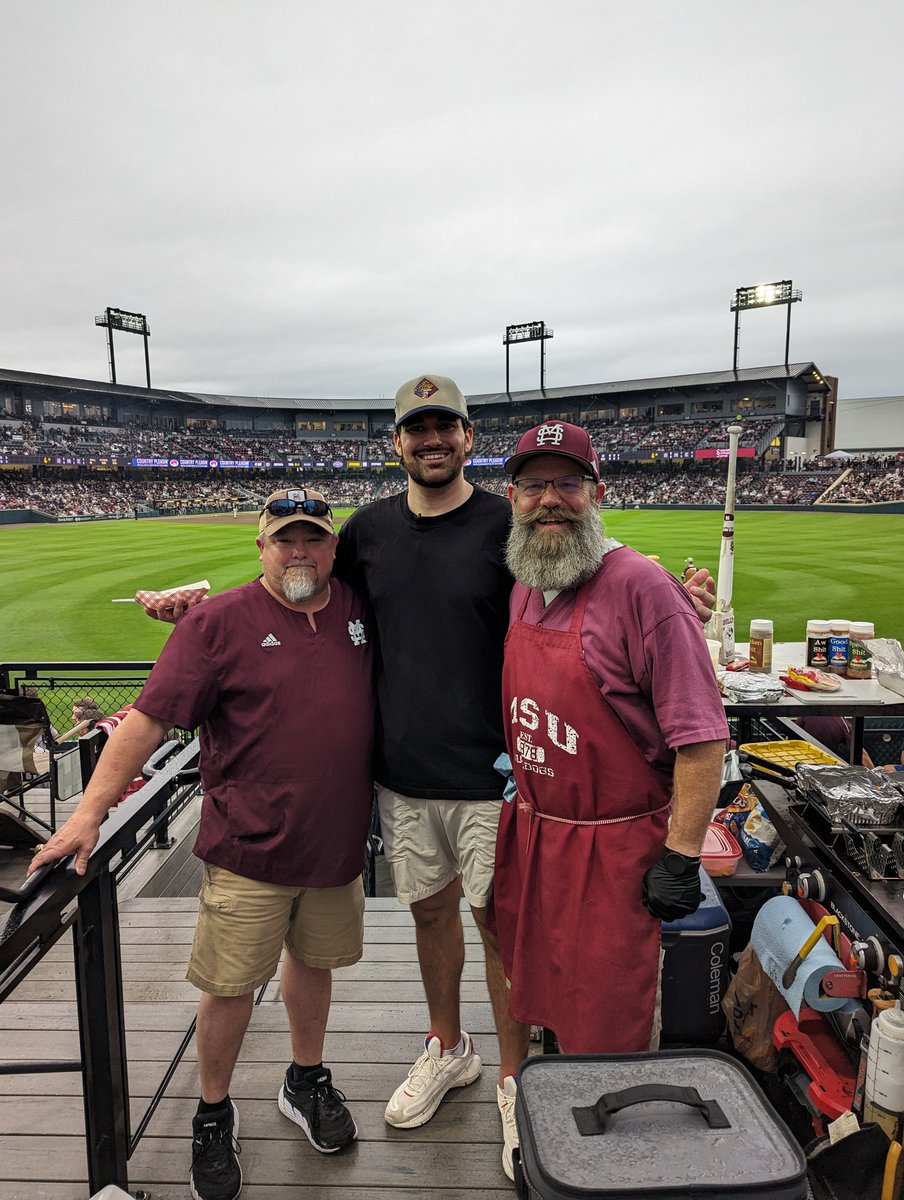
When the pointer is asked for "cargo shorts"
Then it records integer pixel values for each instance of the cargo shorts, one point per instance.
(243, 925)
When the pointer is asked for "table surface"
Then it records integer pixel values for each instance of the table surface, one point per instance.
(857, 697)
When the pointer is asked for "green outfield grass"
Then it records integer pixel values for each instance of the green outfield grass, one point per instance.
(57, 581)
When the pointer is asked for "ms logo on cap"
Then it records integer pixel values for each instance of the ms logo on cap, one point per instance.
(550, 435)
(425, 389)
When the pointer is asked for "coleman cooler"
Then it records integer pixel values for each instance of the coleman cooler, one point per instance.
(672, 1125)
(695, 971)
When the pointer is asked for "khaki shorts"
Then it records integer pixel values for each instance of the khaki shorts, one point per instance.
(428, 843)
(243, 925)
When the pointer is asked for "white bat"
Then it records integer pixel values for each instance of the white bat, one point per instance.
(723, 616)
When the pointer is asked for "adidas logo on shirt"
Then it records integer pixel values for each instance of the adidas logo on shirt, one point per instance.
(271, 640)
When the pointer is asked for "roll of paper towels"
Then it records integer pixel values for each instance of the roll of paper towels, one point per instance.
(780, 929)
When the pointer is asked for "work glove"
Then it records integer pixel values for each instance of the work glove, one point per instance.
(671, 887)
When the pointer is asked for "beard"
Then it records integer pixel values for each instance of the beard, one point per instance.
(555, 560)
(299, 586)
(433, 476)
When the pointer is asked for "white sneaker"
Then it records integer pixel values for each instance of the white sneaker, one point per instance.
(418, 1098)
(505, 1098)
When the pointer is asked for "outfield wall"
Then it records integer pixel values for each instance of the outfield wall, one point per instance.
(24, 516)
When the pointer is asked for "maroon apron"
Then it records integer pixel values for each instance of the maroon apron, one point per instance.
(591, 815)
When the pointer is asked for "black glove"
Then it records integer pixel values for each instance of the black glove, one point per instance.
(671, 887)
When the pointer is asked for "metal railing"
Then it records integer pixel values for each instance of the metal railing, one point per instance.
(43, 911)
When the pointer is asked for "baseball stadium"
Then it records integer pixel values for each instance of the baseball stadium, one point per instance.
(110, 491)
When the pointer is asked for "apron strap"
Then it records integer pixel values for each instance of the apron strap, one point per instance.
(577, 617)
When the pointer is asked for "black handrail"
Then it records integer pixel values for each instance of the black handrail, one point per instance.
(43, 912)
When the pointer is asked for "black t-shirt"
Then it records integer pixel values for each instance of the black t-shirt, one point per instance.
(439, 591)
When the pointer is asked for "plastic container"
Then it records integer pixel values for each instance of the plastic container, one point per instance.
(721, 853)
(786, 755)
(839, 647)
(695, 970)
(760, 652)
(818, 644)
(860, 665)
(885, 1070)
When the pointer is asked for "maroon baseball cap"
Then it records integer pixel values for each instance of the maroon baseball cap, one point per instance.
(555, 437)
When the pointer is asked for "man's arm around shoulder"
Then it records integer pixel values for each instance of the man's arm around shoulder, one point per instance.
(130, 746)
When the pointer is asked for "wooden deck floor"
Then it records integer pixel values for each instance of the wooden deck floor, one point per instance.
(375, 1032)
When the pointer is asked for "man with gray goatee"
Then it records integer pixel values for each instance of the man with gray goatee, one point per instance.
(616, 732)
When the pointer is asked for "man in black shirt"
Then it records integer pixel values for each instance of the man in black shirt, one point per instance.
(430, 562)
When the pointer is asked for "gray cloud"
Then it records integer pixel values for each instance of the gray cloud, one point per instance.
(323, 200)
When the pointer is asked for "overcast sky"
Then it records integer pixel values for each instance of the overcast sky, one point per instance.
(324, 199)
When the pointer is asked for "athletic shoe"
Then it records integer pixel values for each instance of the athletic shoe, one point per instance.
(418, 1098)
(319, 1109)
(215, 1171)
(505, 1098)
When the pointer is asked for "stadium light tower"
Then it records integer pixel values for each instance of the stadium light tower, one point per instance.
(529, 331)
(128, 322)
(763, 295)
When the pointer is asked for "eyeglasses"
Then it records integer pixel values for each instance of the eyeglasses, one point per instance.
(310, 508)
(567, 486)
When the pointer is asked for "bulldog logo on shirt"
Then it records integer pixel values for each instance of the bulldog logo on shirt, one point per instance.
(356, 633)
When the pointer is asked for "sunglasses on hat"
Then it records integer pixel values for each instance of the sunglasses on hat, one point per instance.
(310, 508)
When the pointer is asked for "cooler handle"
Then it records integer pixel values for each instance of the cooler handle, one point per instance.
(594, 1119)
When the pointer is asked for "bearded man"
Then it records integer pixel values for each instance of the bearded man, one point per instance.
(616, 732)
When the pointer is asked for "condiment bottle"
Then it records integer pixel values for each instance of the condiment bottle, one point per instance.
(860, 664)
(839, 647)
(818, 644)
(760, 652)
(885, 1070)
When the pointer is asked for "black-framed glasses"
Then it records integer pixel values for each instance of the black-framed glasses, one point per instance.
(567, 486)
(310, 508)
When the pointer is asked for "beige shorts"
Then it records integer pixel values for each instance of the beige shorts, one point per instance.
(428, 843)
(243, 925)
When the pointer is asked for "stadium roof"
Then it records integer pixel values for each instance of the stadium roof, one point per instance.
(590, 391)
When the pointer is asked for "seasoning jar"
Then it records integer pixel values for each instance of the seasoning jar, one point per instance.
(860, 664)
(760, 652)
(818, 644)
(839, 646)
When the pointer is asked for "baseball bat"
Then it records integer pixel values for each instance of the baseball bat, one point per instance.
(723, 616)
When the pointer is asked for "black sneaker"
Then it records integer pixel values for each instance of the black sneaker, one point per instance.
(215, 1171)
(318, 1108)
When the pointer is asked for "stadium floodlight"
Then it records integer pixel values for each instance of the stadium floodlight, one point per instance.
(763, 295)
(527, 331)
(127, 322)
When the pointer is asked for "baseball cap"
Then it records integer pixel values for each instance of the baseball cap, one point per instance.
(555, 437)
(429, 393)
(269, 523)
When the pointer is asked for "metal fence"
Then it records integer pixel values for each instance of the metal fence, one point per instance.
(111, 685)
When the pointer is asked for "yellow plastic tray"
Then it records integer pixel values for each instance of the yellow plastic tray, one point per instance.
(788, 754)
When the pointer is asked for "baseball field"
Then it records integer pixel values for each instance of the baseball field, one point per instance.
(57, 581)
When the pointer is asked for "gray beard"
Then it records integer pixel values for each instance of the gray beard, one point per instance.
(298, 590)
(558, 562)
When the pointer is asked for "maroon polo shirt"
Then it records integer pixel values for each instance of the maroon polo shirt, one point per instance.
(286, 718)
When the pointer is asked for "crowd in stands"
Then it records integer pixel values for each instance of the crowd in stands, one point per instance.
(869, 484)
(81, 492)
(136, 440)
(87, 494)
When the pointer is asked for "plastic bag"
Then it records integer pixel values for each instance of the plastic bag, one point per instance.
(759, 840)
(752, 1005)
(733, 815)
